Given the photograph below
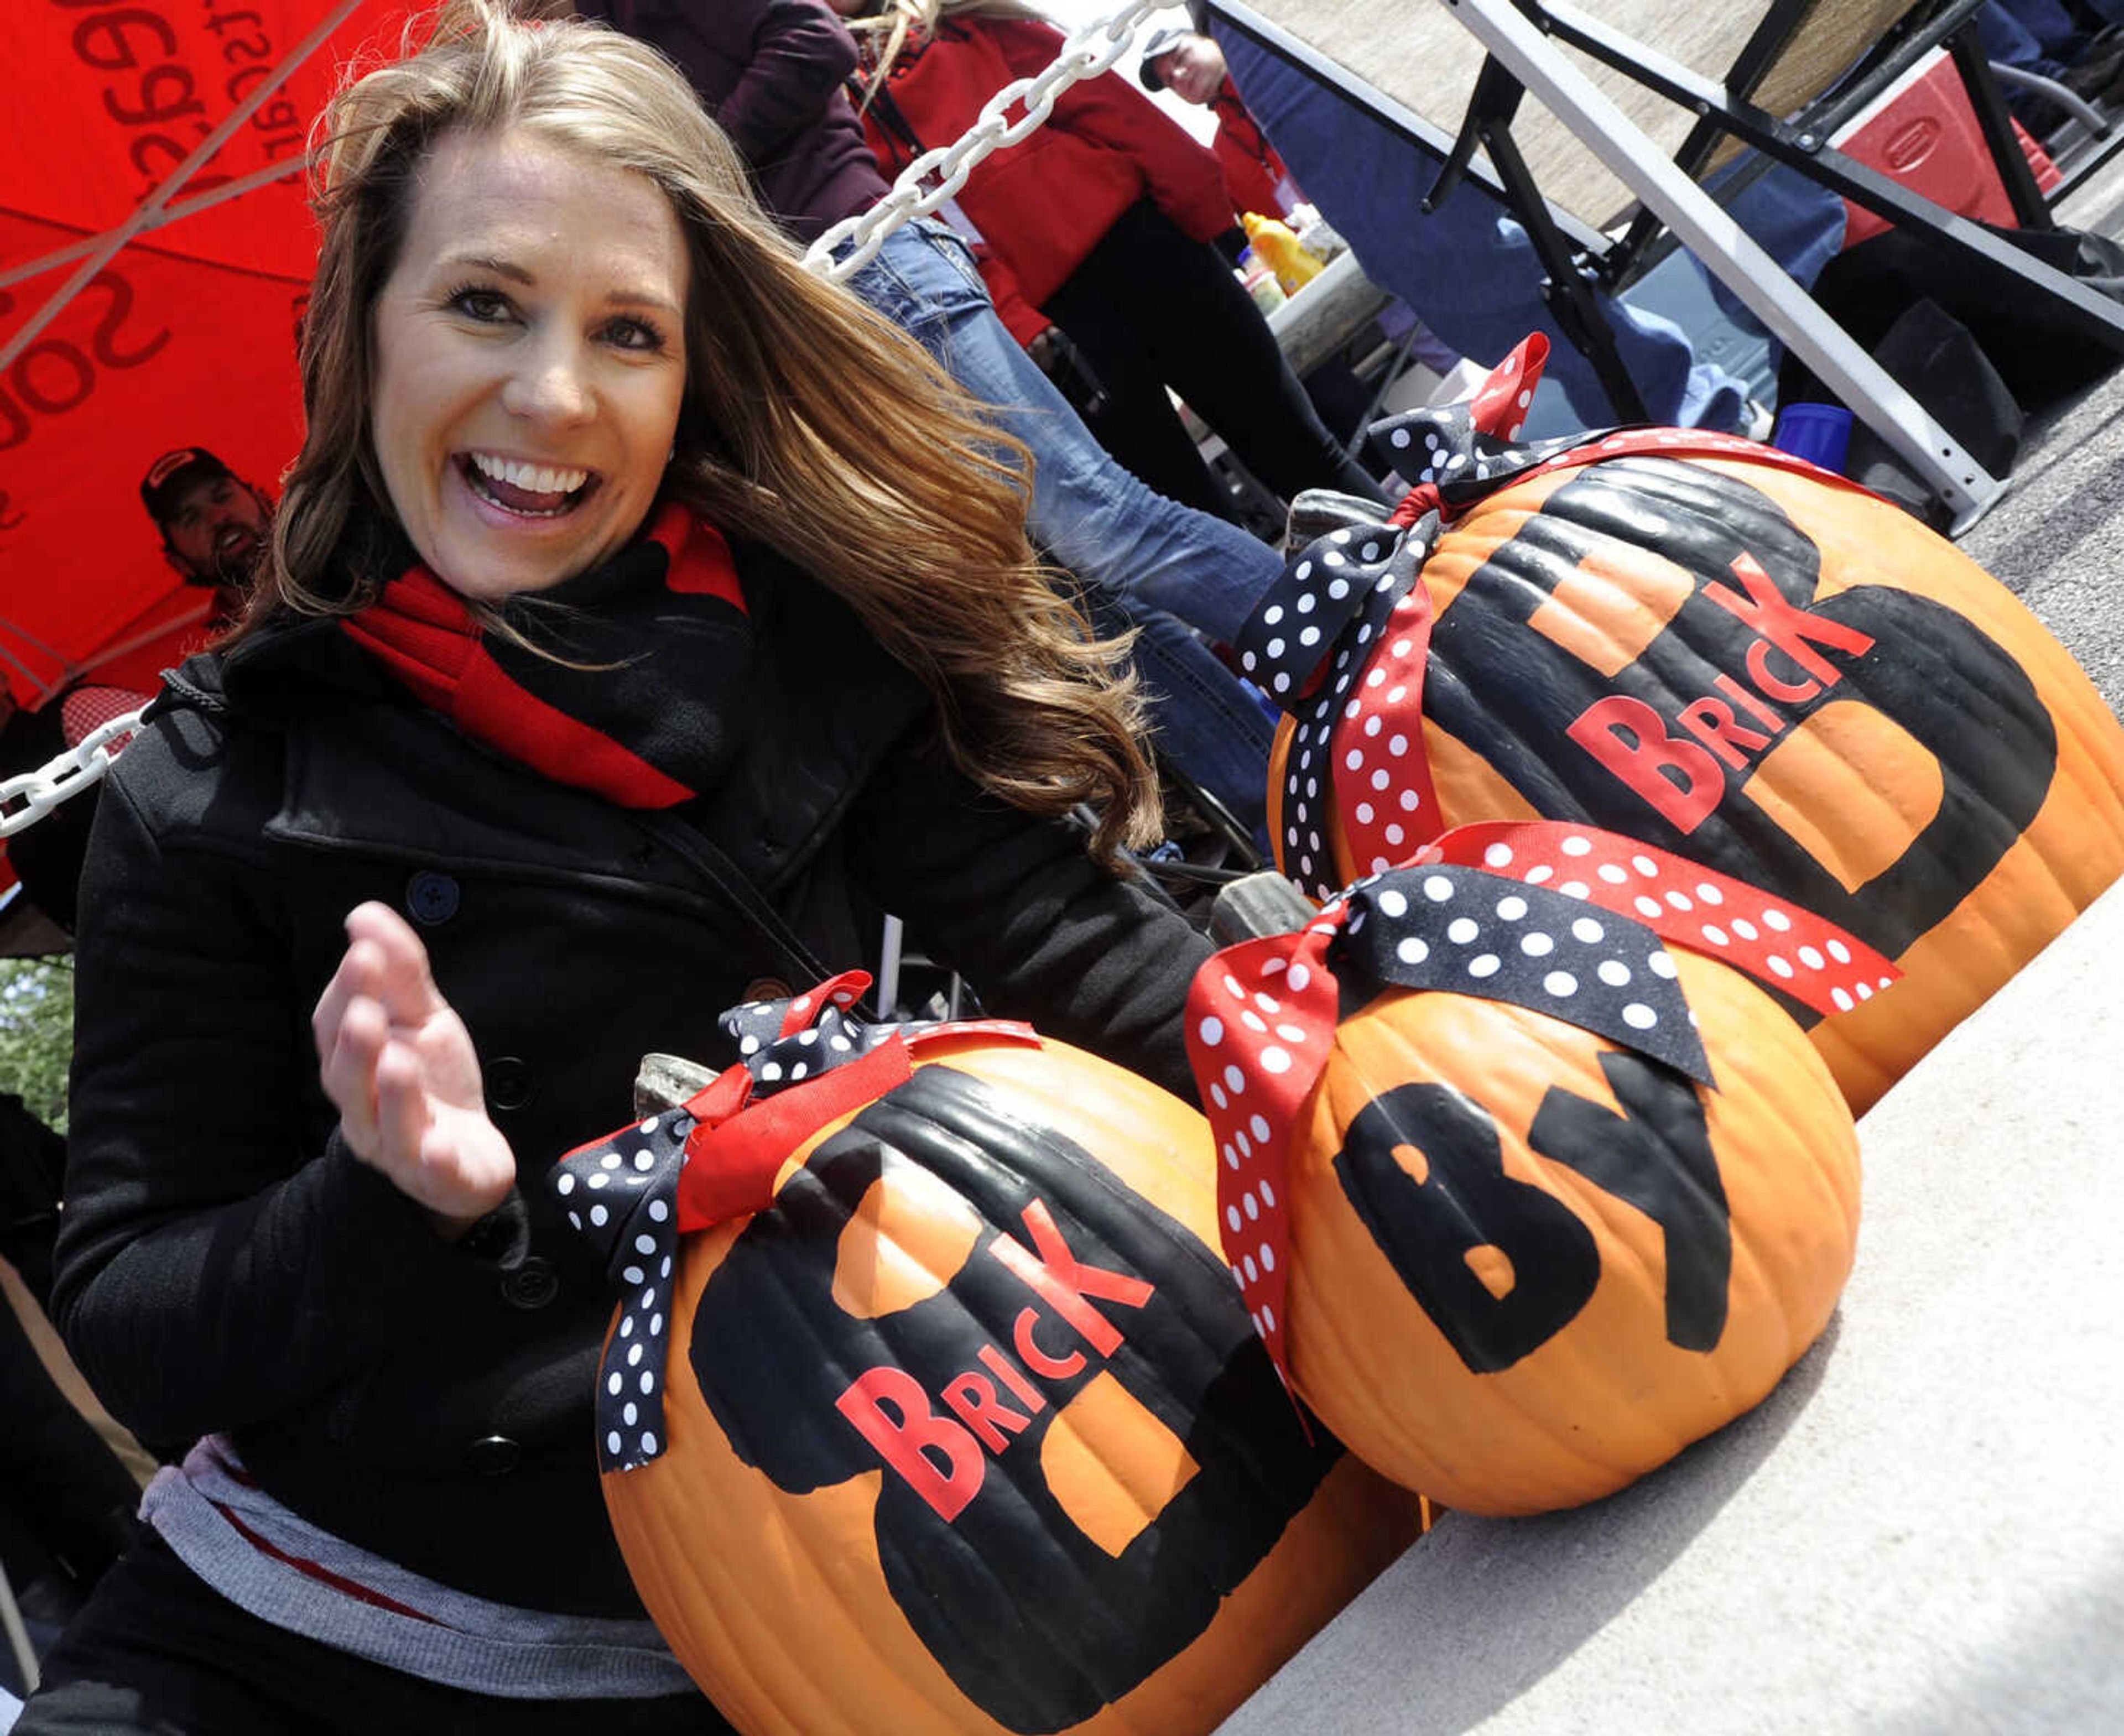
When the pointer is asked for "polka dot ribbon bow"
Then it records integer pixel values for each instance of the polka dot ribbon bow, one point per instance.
(804, 1062)
(1560, 919)
(1454, 454)
(1342, 639)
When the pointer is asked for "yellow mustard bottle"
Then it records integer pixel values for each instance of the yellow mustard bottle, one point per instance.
(1294, 264)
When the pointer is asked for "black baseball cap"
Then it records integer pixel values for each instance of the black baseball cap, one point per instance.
(172, 474)
(1159, 41)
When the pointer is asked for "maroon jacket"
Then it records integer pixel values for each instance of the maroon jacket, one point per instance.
(772, 73)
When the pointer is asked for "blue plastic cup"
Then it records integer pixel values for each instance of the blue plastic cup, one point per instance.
(1819, 433)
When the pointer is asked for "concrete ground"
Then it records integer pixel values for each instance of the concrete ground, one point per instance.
(1918, 1531)
(1921, 1530)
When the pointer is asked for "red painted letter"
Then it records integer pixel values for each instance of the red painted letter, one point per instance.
(1791, 631)
(1677, 777)
(1712, 722)
(905, 1441)
(972, 1399)
(1056, 1277)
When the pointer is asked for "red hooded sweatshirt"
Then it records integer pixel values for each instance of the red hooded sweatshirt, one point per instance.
(1042, 205)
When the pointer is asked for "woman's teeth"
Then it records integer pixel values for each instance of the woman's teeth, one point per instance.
(532, 490)
(537, 478)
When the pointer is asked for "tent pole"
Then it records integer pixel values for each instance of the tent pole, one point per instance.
(151, 208)
(227, 190)
(148, 636)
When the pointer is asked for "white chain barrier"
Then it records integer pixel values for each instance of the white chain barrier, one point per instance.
(28, 796)
(1092, 49)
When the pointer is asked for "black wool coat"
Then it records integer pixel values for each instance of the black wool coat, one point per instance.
(224, 1262)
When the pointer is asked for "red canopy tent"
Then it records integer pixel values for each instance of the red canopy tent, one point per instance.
(151, 273)
(155, 250)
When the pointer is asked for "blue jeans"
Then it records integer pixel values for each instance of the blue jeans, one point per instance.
(1208, 723)
(2036, 35)
(1158, 562)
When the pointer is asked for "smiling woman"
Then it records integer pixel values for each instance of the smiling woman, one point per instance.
(795, 403)
(642, 616)
(530, 362)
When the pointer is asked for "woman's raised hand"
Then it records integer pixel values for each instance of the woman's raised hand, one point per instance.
(400, 1067)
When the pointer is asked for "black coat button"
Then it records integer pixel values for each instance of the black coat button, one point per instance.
(508, 1082)
(493, 1456)
(531, 1285)
(767, 988)
(432, 897)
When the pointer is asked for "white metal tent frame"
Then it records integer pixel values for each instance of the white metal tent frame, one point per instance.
(157, 210)
(1521, 36)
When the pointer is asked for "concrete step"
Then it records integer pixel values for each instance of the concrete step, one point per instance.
(1922, 1528)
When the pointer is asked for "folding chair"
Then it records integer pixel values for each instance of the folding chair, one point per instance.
(1623, 128)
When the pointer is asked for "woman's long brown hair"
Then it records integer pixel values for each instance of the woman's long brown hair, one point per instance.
(810, 423)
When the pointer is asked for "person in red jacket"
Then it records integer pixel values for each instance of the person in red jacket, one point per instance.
(1191, 66)
(1101, 223)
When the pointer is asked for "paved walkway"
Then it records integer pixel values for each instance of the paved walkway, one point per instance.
(1920, 1530)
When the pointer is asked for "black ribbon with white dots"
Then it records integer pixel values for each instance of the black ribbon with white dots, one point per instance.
(1302, 617)
(1455, 453)
(1465, 930)
(622, 1192)
(1443, 445)
(778, 1057)
(1395, 607)
(629, 1193)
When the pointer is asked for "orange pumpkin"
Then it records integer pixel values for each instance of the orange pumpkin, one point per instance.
(1716, 649)
(1526, 1262)
(967, 1431)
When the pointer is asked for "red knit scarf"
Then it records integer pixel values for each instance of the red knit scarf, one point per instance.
(633, 689)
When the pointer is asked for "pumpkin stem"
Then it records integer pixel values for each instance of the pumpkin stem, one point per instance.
(664, 1081)
(1258, 905)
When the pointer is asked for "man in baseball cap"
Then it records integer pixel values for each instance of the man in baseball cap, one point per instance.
(1191, 66)
(1156, 46)
(214, 524)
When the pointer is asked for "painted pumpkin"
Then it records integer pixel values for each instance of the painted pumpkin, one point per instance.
(967, 1430)
(1706, 645)
(1528, 1254)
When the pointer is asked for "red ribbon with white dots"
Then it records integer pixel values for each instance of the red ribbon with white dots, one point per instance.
(1262, 1016)
(1383, 784)
(1261, 1023)
(1686, 904)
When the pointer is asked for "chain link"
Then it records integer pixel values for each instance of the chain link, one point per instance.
(1090, 51)
(28, 796)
